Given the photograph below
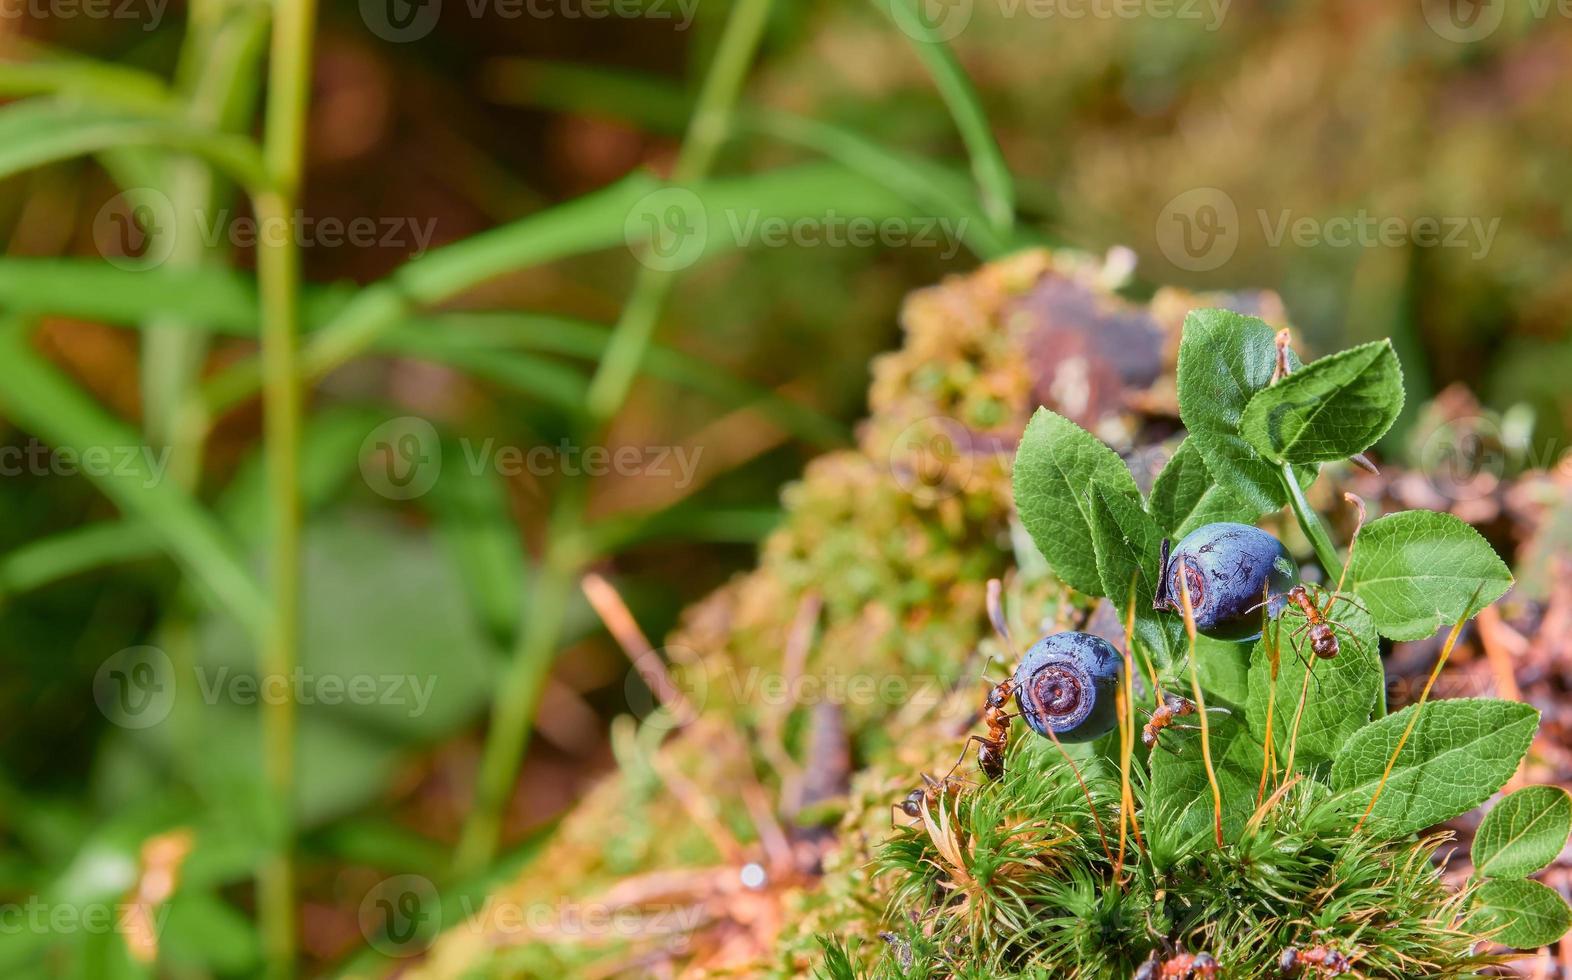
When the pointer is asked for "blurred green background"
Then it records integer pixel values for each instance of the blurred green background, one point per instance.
(1306, 147)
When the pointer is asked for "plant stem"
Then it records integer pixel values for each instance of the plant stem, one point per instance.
(518, 695)
(1200, 707)
(278, 275)
(1310, 524)
(996, 187)
(706, 131)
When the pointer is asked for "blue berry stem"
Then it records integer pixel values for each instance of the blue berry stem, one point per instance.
(1325, 550)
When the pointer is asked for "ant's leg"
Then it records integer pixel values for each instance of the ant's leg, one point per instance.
(966, 747)
(1296, 641)
(1299, 653)
(1352, 636)
(1345, 597)
(1265, 602)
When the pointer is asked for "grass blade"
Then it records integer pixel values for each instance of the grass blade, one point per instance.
(988, 166)
(38, 397)
(40, 131)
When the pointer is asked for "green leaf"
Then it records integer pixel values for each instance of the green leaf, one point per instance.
(1055, 466)
(38, 397)
(1330, 410)
(1419, 570)
(960, 97)
(1527, 913)
(1523, 833)
(1127, 542)
(654, 102)
(218, 300)
(1179, 780)
(391, 656)
(40, 131)
(70, 552)
(1224, 359)
(1342, 691)
(1185, 496)
(1460, 752)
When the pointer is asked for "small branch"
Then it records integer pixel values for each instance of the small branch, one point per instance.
(1419, 706)
(1200, 707)
(1325, 550)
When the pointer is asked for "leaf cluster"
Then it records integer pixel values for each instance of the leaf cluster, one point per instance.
(1320, 792)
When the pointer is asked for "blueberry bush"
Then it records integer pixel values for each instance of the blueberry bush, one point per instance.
(1284, 833)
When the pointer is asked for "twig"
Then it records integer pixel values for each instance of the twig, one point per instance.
(1419, 706)
(1274, 656)
(1126, 706)
(608, 605)
(1200, 706)
(1086, 791)
(799, 639)
(700, 809)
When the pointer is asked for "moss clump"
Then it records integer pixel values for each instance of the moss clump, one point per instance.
(796, 770)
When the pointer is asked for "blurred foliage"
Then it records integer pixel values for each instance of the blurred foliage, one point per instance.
(1323, 109)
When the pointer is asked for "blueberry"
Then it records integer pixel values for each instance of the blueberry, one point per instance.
(1230, 568)
(1065, 683)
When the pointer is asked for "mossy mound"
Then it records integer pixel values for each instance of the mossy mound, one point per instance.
(744, 838)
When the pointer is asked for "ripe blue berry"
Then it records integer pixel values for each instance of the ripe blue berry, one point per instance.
(1230, 568)
(1065, 683)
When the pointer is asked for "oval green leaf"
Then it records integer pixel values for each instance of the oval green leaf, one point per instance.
(1420, 570)
(1522, 914)
(1128, 544)
(1057, 463)
(1185, 496)
(1459, 753)
(1524, 832)
(1224, 359)
(1330, 410)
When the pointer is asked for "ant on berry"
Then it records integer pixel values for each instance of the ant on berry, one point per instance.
(993, 746)
(1185, 966)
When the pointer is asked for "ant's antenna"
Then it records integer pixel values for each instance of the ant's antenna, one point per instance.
(1359, 505)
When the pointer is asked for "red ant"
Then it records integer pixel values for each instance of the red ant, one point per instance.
(1324, 960)
(1323, 639)
(1173, 707)
(930, 792)
(1318, 624)
(1185, 966)
(991, 749)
